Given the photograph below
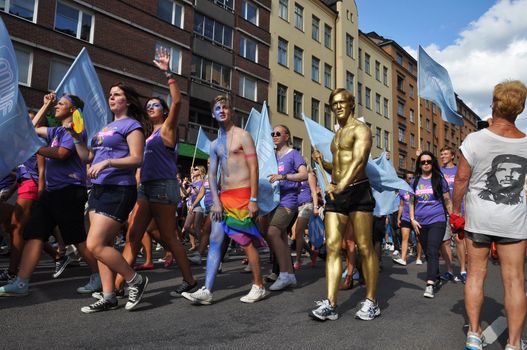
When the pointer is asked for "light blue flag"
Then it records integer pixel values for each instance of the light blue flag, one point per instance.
(387, 202)
(320, 138)
(81, 80)
(521, 123)
(203, 142)
(435, 85)
(18, 139)
(259, 127)
(382, 176)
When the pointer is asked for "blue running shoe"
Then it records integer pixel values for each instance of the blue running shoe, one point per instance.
(16, 288)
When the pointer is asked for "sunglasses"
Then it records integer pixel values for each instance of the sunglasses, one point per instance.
(426, 162)
(276, 134)
(153, 105)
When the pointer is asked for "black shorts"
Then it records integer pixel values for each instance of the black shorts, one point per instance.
(379, 228)
(113, 201)
(354, 198)
(488, 239)
(63, 208)
(406, 224)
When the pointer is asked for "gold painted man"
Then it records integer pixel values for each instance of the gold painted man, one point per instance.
(348, 198)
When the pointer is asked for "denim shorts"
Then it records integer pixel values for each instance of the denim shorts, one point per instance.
(159, 191)
(113, 201)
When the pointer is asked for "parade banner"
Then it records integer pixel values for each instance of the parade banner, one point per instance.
(203, 142)
(81, 80)
(259, 127)
(435, 85)
(18, 139)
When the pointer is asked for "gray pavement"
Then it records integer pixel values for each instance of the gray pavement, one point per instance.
(50, 316)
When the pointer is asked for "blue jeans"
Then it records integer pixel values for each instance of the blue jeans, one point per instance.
(431, 238)
(159, 191)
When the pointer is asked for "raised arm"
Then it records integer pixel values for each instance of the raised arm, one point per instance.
(41, 114)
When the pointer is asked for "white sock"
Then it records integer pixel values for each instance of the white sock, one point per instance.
(283, 275)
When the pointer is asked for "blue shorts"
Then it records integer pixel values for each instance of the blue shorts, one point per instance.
(113, 201)
(159, 191)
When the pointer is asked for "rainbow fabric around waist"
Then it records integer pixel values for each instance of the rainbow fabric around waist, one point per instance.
(237, 220)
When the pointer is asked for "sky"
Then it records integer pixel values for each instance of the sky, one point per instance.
(479, 42)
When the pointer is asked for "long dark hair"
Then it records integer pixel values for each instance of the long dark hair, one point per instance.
(135, 107)
(437, 176)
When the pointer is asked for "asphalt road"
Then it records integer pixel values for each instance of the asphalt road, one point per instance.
(50, 316)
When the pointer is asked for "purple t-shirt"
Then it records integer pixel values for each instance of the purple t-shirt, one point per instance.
(159, 162)
(110, 143)
(428, 208)
(207, 198)
(70, 171)
(7, 181)
(194, 190)
(450, 175)
(28, 170)
(305, 193)
(289, 190)
(405, 196)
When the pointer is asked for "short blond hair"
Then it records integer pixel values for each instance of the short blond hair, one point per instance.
(508, 99)
(225, 99)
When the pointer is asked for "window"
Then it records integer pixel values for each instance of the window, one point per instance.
(400, 108)
(399, 59)
(349, 81)
(378, 139)
(282, 52)
(315, 106)
(434, 129)
(210, 72)
(250, 12)
(411, 116)
(248, 49)
(400, 136)
(297, 143)
(283, 9)
(349, 45)
(433, 108)
(175, 57)
(281, 98)
(327, 76)
(315, 69)
(412, 140)
(446, 132)
(360, 58)
(427, 124)
(213, 30)
(400, 83)
(327, 36)
(368, 98)
(327, 117)
(378, 103)
(386, 108)
(386, 141)
(297, 104)
(315, 28)
(402, 162)
(359, 93)
(421, 121)
(299, 17)
(410, 67)
(228, 4)
(428, 146)
(247, 87)
(411, 90)
(22, 8)
(171, 11)
(385, 75)
(24, 60)
(378, 70)
(367, 63)
(74, 22)
(298, 61)
(57, 71)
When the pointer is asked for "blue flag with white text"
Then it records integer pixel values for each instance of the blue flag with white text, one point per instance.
(203, 142)
(259, 127)
(18, 139)
(435, 85)
(81, 80)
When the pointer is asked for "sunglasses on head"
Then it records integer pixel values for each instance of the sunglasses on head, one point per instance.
(426, 162)
(153, 105)
(276, 134)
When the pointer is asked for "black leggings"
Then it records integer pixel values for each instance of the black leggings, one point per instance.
(431, 238)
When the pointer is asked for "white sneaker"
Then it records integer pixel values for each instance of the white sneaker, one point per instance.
(399, 261)
(255, 294)
(368, 311)
(202, 296)
(429, 291)
(395, 252)
(283, 283)
(419, 262)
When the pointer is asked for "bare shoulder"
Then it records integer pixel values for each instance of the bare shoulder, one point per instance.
(362, 130)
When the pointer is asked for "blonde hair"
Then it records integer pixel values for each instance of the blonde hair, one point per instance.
(225, 99)
(508, 99)
(288, 132)
(202, 170)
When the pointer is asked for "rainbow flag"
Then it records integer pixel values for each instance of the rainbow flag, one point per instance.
(237, 223)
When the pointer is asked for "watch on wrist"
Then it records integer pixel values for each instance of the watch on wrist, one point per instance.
(253, 199)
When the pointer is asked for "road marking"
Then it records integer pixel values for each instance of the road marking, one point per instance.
(492, 332)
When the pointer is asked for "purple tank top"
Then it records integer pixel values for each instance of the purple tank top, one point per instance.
(28, 170)
(159, 162)
(305, 193)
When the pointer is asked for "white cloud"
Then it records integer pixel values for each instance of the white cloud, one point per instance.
(492, 48)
